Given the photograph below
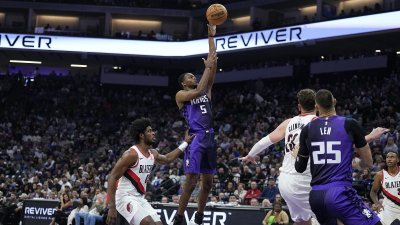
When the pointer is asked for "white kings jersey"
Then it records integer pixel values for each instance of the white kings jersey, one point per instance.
(134, 180)
(292, 138)
(391, 191)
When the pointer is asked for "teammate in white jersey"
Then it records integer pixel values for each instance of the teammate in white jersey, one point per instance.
(132, 171)
(388, 180)
(293, 186)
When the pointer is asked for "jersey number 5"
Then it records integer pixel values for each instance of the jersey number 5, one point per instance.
(203, 109)
(325, 149)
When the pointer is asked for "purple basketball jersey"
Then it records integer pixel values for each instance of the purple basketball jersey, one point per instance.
(200, 157)
(331, 150)
(198, 114)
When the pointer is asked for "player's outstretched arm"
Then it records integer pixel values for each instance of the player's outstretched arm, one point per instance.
(365, 156)
(360, 143)
(117, 172)
(376, 133)
(275, 136)
(376, 186)
(171, 156)
(212, 29)
(183, 96)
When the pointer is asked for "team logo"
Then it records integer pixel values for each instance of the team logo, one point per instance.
(187, 162)
(129, 207)
(367, 213)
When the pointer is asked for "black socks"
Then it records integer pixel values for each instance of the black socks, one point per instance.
(178, 219)
(198, 218)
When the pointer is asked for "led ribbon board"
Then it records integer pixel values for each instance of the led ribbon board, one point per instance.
(242, 41)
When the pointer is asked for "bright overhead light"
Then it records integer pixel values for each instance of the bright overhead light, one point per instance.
(79, 65)
(377, 51)
(322, 57)
(398, 52)
(25, 61)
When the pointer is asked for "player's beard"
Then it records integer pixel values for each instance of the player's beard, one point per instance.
(150, 142)
(194, 86)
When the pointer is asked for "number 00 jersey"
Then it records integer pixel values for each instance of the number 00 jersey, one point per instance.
(391, 190)
(134, 180)
(292, 137)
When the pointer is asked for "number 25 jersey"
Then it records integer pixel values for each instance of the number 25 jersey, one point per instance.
(329, 141)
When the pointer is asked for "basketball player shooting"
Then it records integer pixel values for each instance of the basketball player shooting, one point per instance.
(132, 171)
(194, 101)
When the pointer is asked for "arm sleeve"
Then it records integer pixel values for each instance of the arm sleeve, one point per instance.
(262, 144)
(355, 132)
(303, 155)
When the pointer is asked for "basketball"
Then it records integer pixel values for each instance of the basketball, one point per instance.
(216, 14)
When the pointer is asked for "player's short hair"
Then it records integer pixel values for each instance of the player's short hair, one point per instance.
(306, 98)
(181, 78)
(139, 127)
(324, 98)
(393, 151)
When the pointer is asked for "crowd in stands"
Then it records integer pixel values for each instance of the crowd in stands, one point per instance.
(60, 137)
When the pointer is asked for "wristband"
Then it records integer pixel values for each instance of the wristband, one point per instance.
(183, 146)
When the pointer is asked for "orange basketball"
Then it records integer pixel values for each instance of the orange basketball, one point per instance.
(216, 14)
